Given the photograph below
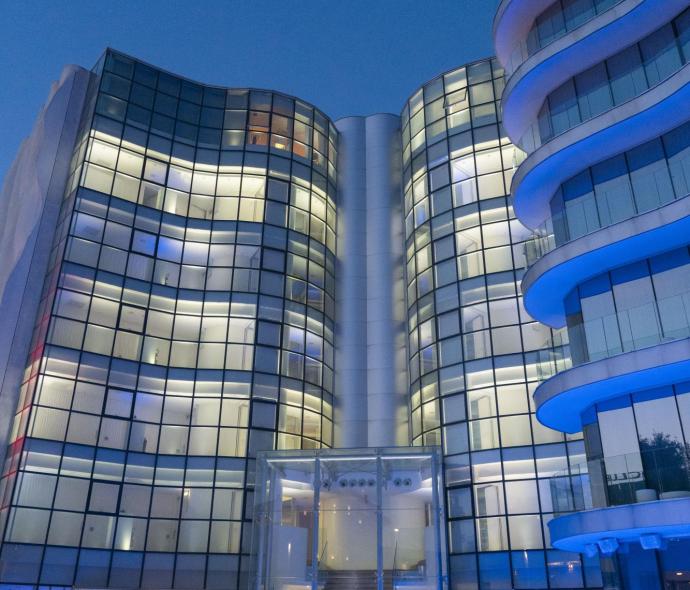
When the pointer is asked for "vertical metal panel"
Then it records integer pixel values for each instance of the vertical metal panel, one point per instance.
(379, 521)
(315, 526)
(371, 367)
(350, 340)
(385, 310)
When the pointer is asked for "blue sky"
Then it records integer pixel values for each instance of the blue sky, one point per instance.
(348, 57)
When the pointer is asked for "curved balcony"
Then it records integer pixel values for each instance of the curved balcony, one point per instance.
(605, 529)
(512, 23)
(657, 471)
(631, 498)
(557, 270)
(587, 45)
(653, 113)
(552, 25)
(561, 400)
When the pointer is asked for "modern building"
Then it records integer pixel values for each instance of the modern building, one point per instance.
(245, 346)
(596, 98)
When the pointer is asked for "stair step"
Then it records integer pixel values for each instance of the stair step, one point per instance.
(355, 580)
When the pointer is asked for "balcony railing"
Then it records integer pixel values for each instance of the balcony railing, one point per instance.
(548, 29)
(586, 215)
(649, 324)
(553, 360)
(661, 470)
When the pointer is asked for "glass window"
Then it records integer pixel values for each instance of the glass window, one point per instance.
(525, 532)
(683, 399)
(462, 536)
(618, 432)
(660, 54)
(658, 424)
(564, 110)
(565, 569)
(637, 315)
(459, 502)
(677, 144)
(529, 569)
(512, 399)
(480, 93)
(515, 431)
(550, 24)
(600, 326)
(522, 497)
(455, 438)
(454, 408)
(577, 12)
(65, 528)
(649, 174)
(492, 535)
(613, 190)
(594, 95)
(484, 434)
(682, 23)
(488, 499)
(627, 74)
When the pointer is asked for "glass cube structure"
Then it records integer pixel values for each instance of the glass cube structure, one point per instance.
(350, 518)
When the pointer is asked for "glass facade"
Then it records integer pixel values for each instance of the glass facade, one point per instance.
(187, 323)
(640, 443)
(562, 17)
(559, 19)
(175, 418)
(362, 518)
(633, 486)
(474, 352)
(637, 451)
(619, 188)
(614, 81)
(632, 307)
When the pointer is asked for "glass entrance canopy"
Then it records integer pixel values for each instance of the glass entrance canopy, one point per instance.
(351, 518)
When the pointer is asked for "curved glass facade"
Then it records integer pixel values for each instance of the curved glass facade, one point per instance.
(637, 453)
(614, 81)
(556, 21)
(626, 437)
(636, 440)
(632, 307)
(562, 17)
(187, 323)
(474, 352)
(619, 188)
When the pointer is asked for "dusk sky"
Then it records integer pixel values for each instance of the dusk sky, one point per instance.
(348, 57)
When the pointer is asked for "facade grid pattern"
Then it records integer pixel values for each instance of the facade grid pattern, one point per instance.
(474, 352)
(186, 324)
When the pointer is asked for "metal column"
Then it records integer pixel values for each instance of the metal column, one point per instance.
(379, 521)
(315, 525)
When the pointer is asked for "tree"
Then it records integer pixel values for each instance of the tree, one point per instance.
(666, 463)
